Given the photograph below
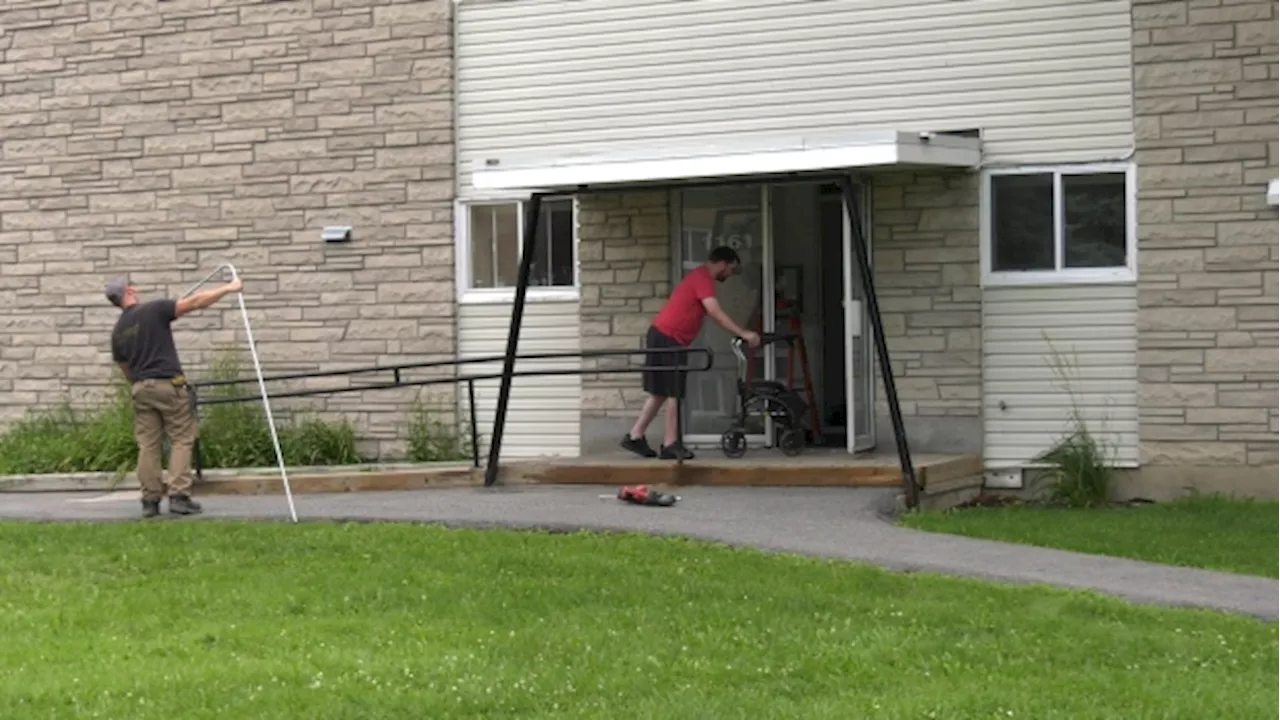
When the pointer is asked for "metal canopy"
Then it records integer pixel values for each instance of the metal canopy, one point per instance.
(826, 160)
(758, 159)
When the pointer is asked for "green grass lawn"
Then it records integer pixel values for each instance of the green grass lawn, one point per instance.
(1206, 532)
(208, 619)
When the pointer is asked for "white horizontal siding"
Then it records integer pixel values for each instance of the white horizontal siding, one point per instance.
(1046, 80)
(544, 411)
(1049, 352)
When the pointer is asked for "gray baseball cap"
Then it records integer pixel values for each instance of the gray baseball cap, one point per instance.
(115, 290)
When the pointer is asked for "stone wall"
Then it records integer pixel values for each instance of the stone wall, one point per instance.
(624, 251)
(1205, 82)
(159, 139)
(925, 254)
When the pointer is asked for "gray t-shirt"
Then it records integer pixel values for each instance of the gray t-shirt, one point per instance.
(143, 341)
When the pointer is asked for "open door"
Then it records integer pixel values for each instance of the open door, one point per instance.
(859, 369)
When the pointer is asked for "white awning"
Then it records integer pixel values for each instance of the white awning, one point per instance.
(773, 157)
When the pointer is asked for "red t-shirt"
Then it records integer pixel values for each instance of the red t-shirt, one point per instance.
(681, 318)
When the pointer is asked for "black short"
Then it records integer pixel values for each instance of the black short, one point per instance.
(664, 383)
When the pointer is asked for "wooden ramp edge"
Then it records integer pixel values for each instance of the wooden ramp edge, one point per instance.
(267, 482)
(367, 481)
(743, 473)
(938, 474)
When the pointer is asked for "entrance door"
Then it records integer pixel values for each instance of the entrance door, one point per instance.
(859, 369)
(706, 218)
(815, 268)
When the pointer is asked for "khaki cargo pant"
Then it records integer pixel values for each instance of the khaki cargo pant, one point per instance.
(162, 408)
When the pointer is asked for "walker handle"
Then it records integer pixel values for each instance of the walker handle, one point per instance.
(766, 339)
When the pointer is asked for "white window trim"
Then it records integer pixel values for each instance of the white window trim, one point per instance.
(1066, 276)
(468, 295)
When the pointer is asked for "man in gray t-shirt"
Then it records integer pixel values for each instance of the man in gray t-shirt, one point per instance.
(142, 345)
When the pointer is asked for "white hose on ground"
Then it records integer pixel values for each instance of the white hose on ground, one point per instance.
(262, 384)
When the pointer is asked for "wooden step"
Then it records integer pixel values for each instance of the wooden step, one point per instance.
(766, 469)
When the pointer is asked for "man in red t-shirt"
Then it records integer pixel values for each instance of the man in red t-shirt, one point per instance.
(675, 327)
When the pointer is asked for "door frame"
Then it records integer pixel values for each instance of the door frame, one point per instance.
(858, 380)
(857, 439)
(767, 311)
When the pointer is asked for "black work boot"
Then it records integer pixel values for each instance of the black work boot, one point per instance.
(183, 505)
(150, 508)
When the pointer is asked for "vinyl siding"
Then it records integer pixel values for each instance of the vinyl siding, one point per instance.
(1093, 330)
(544, 415)
(1046, 80)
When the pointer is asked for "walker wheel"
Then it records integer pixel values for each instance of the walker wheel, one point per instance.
(734, 443)
(791, 442)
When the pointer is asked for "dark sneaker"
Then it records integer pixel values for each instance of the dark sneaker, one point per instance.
(675, 452)
(639, 446)
(150, 508)
(184, 505)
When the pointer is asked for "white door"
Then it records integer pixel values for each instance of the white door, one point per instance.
(859, 381)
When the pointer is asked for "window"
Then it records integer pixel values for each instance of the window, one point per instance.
(492, 238)
(1058, 225)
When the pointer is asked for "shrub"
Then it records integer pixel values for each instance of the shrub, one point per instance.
(236, 434)
(63, 440)
(432, 441)
(1080, 473)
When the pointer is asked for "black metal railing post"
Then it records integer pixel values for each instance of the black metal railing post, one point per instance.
(882, 348)
(196, 457)
(475, 433)
(681, 378)
(533, 210)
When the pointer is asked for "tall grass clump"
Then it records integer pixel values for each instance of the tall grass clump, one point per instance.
(232, 435)
(433, 441)
(236, 435)
(1080, 465)
(65, 439)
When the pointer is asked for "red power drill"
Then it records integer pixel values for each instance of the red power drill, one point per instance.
(642, 495)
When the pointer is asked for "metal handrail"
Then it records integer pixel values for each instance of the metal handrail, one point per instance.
(464, 361)
(399, 381)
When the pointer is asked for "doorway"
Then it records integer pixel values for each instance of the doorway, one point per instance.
(794, 241)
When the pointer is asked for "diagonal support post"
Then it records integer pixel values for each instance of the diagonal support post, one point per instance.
(859, 242)
(532, 214)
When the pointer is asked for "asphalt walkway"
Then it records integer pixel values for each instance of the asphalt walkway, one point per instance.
(829, 522)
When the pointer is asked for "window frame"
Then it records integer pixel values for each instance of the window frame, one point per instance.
(536, 293)
(1128, 273)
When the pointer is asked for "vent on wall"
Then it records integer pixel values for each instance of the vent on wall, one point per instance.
(1010, 478)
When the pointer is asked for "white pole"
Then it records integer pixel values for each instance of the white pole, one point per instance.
(262, 385)
(206, 279)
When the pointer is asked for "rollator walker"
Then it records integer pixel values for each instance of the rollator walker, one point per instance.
(765, 399)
